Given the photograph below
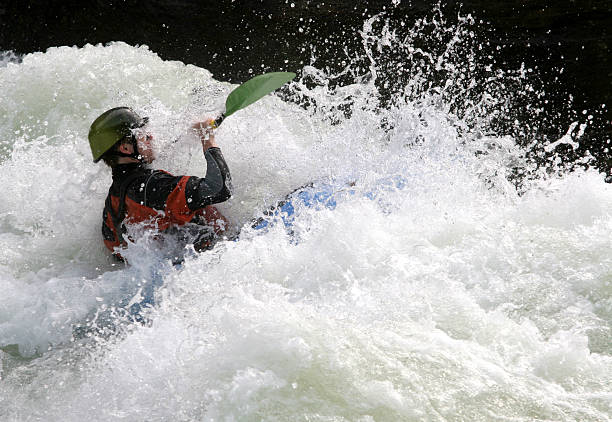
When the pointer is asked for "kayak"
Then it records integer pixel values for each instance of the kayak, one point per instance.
(321, 196)
(285, 211)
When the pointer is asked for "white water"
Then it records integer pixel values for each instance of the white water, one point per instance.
(453, 298)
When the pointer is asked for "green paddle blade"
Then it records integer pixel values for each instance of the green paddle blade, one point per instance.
(254, 89)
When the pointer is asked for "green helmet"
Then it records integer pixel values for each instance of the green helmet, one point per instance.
(110, 127)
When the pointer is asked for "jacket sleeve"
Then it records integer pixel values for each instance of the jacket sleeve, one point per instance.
(215, 187)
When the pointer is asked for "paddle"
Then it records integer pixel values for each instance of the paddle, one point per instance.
(251, 91)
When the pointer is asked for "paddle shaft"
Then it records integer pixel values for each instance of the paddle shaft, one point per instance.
(217, 122)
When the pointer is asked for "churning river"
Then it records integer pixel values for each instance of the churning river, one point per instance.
(450, 295)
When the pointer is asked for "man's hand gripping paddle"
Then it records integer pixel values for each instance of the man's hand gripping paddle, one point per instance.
(251, 91)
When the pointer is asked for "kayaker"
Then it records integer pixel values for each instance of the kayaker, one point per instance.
(148, 199)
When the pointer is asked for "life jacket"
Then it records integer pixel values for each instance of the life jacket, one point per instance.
(123, 209)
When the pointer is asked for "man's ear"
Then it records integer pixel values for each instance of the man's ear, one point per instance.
(126, 148)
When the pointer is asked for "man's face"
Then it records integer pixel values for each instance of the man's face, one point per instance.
(145, 146)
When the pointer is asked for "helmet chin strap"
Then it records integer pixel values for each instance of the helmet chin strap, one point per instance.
(135, 154)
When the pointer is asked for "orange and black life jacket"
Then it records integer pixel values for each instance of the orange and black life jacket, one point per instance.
(163, 201)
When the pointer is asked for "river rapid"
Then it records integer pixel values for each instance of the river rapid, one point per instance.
(451, 296)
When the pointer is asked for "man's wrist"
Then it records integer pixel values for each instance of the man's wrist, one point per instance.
(209, 145)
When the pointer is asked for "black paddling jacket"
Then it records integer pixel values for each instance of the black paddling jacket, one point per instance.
(162, 201)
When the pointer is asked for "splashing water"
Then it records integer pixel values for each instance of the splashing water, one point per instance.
(450, 297)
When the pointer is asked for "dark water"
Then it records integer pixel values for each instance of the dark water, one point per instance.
(567, 43)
